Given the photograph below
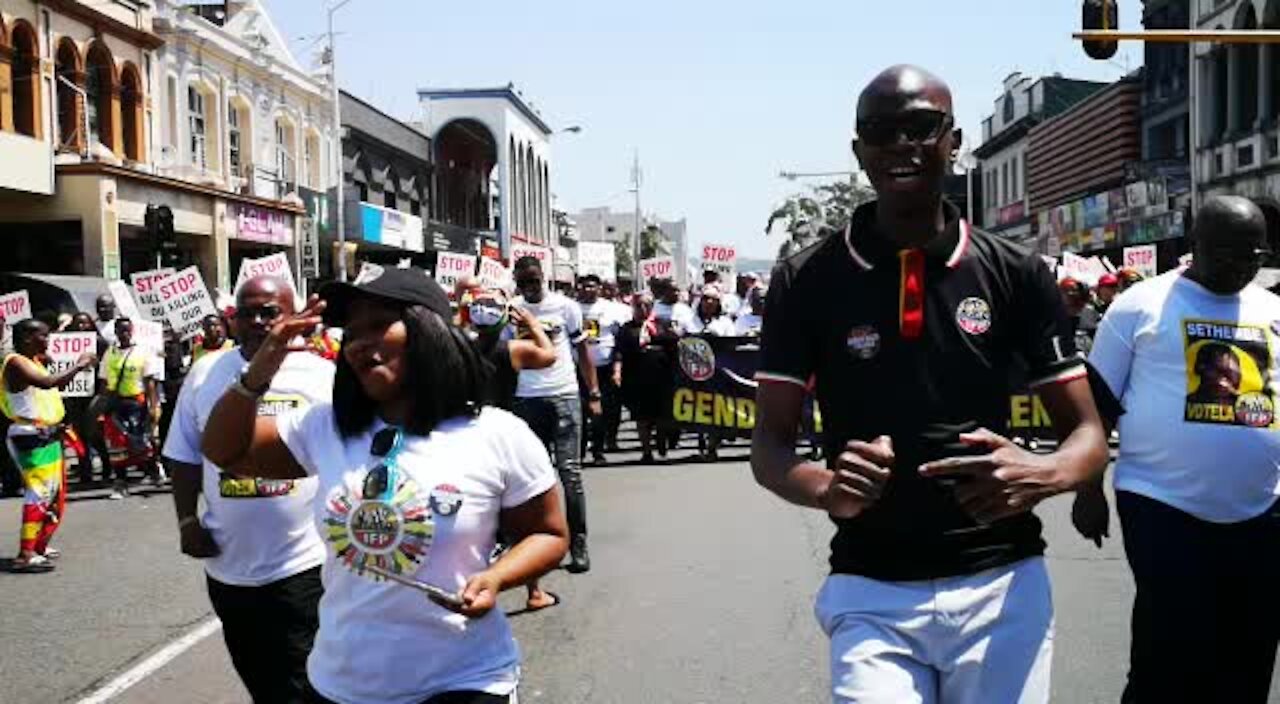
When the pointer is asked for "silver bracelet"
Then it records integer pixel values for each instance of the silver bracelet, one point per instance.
(239, 388)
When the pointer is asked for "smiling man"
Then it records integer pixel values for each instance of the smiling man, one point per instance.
(908, 322)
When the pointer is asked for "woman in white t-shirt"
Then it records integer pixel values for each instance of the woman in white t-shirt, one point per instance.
(416, 478)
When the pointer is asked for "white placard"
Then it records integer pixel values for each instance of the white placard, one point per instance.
(146, 291)
(451, 267)
(1142, 259)
(15, 307)
(149, 335)
(722, 259)
(186, 302)
(1078, 268)
(493, 274)
(519, 250)
(598, 258)
(656, 268)
(123, 297)
(65, 349)
(274, 265)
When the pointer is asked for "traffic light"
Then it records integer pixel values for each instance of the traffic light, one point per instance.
(159, 224)
(1101, 15)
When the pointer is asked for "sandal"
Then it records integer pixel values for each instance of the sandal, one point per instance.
(555, 601)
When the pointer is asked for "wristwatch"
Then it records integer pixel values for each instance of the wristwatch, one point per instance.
(243, 389)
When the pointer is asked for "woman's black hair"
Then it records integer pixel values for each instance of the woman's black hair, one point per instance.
(445, 376)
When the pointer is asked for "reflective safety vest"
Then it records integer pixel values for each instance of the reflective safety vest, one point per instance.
(31, 406)
(126, 371)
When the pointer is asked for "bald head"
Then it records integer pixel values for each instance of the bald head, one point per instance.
(260, 289)
(1230, 242)
(903, 87)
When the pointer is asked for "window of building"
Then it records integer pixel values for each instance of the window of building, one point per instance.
(1004, 183)
(285, 159)
(1008, 109)
(308, 164)
(1018, 180)
(70, 118)
(131, 117)
(233, 138)
(196, 127)
(26, 82)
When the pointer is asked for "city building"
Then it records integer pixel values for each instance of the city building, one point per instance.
(1086, 191)
(1023, 104)
(1166, 106)
(1236, 91)
(200, 108)
(493, 158)
(387, 186)
(603, 225)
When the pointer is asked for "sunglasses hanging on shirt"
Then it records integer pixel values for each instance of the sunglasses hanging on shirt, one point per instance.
(381, 480)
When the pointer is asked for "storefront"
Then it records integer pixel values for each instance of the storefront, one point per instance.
(1103, 224)
(254, 233)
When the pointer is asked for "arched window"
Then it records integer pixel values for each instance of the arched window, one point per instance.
(235, 139)
(1221, 90)
(26, 80)
(70, 122)
(100, 93)
(286, 159)
(131, 118)
(1008, 109)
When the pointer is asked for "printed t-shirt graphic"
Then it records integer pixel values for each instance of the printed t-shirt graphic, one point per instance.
(392, 533)
(231, 486)
(1228, 373)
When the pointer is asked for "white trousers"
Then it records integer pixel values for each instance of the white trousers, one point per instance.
(985, 638)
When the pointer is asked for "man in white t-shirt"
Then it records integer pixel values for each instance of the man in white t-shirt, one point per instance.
(257, 537)
(548, 399)
(751, 320)
(670, 311)
(601, 320)
(1192, 357)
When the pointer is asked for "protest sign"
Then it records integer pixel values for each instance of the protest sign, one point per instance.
(722, 259)
(451, 267)
(493, 274)
(1141, 259)
(274, 265)
(15, 307)
(149, 335)
(1079, 268)
(186, 302)
(519, 250)
(146, 292)
(65, 349)
(657, 268)
(123, 297)
(597, 258)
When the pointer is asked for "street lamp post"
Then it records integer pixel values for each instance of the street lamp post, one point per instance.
(968, 162)
(635, 188)
(339, 204)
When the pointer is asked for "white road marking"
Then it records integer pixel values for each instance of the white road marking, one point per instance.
(149, 666)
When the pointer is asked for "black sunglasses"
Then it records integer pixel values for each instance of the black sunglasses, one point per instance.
(377, 480)
(923, 127)
(266, 313)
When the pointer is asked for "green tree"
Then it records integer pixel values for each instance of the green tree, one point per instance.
(653, 243)
(806, 218)
(622, 256)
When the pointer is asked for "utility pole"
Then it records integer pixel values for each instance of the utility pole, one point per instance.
(636, 179)
(339, 204)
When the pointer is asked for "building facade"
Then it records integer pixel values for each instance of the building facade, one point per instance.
(604, 225)
(493, 157)
(1023, 104)
(200, 108)
(1237, 94)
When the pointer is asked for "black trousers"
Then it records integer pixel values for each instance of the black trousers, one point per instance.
(602, 430)
(557, 421)
(1205, 622)
(314, 697)
(269, 631)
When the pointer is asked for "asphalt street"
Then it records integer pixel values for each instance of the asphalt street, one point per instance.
(701, 591)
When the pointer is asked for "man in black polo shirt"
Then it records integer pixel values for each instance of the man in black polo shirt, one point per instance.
(909, 322)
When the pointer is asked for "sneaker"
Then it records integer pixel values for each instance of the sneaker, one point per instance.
(52, 553)
(579, 559)
(33, 564)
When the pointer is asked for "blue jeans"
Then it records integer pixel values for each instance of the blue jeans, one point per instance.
(557, 421)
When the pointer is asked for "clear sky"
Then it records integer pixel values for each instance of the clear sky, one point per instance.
(716, 96)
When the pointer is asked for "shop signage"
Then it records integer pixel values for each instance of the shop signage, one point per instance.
(657, 268)
(722, 259)
(15, 307)
(1141, 259)
(390, 228)
(451, 267)
(65, 349)
(1011, 213)
(310, 249)
(261, 225)
(493, 274)
(489, 249)
(146, 291)
(274, 265)
(186, 302)
(599, 258)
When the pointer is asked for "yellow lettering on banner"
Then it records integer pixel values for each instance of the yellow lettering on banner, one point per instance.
(1041, 419)
(726, 415)
(702, 411)
(746, 414)
(1028, 411)
(1211, 411)
(682, 405)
